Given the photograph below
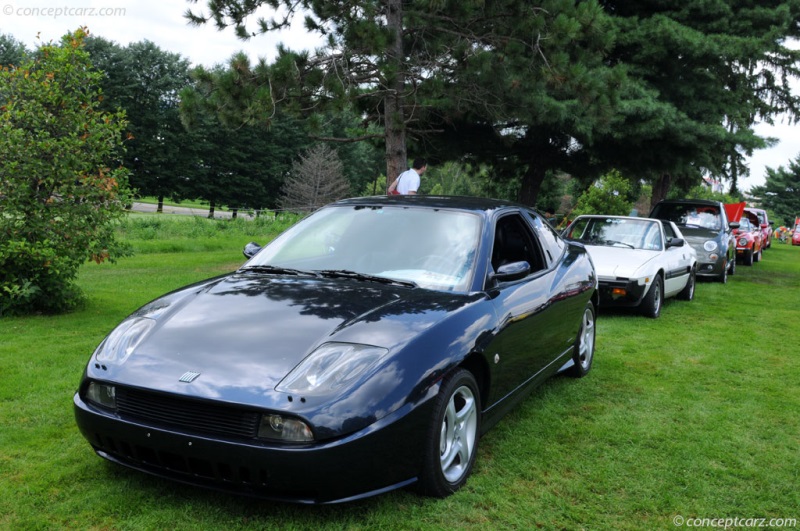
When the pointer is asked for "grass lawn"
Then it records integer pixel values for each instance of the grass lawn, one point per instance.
(693, 415)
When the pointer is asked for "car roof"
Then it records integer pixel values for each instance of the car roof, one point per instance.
(708, 202)
(473, 204)
(604, 216)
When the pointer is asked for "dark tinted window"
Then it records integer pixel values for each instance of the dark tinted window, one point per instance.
(514, 242)
(552, 244)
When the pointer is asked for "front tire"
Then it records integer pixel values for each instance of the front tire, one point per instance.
(651, 304)
(748, 257)
(452, 442)
(583, 353)
(687, 293)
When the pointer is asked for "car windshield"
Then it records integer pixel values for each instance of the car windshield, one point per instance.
(618, 232)
(688, 215)
(433, 248)
(744, 225)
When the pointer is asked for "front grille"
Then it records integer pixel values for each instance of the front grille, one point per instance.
(210, 472)
(197, 416)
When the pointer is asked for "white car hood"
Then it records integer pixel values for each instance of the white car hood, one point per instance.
(619, 261)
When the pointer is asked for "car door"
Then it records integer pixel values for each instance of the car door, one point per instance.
(677, 261)
(533, 324)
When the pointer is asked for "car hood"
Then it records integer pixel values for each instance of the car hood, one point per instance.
(619, 261)
(695, 235)
(243, 333)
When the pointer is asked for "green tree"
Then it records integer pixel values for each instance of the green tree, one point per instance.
(610, 195)
(60, 185)
(239, 167)
(781, 193)
(12, 51)
(700, 74)
(530, 75)
(146, 81)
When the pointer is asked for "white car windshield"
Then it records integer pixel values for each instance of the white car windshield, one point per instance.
(617, 232)
(433, 248)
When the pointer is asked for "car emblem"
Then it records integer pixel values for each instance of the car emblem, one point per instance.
(189, 377)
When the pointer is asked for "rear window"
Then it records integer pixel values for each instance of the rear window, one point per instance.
(690, 215)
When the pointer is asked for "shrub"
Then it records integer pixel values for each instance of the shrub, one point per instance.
(59, 192)
(607, 196)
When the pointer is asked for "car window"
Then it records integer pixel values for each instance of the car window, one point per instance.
(689, 215)
(552, 244)
(617, 232)
(514, 242)
(434, 248)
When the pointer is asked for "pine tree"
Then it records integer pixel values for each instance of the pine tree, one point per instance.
(316, 180)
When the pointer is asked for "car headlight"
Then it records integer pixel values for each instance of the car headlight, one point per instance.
(743, 242)
(123, 340)
(281, 428)
(103, 395)
(710, 246)
(330, 368)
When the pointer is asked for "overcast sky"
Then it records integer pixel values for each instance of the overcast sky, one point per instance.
(162, 22)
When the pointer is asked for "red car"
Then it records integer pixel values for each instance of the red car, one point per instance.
(748, 239)
(765, 224)
(796, 236)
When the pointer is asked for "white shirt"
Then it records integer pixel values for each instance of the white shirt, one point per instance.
(409, 182)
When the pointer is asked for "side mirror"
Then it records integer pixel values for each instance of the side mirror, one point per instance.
(675, 242)
(251, 249)
(512, 271)
(734, 224)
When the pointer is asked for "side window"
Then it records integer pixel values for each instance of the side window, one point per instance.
(652, 239)
(552, 244)
(668, 232)
(514, 242)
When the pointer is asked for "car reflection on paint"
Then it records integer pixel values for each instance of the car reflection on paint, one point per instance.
(365, 349)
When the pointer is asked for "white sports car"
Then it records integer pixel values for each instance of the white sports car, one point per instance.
(639, 261)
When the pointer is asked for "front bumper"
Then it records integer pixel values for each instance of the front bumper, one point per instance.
(384, 456)
(621, 292)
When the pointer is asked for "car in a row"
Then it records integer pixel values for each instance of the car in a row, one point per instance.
(639, 261)
(365, 349)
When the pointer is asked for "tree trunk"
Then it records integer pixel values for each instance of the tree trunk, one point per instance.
(394, 120)
(531, 184)
(235, 212)
(211, 207)
(661, 187)
(160, 207)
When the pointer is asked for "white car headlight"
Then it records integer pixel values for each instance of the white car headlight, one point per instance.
(330, 368)
(710, 246)
(743, 242)
(123, 340)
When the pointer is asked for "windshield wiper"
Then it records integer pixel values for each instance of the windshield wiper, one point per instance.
(345, 273)
(615, 242)
(275, 270)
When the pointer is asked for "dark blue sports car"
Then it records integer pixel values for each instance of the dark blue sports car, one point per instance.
(365, 349)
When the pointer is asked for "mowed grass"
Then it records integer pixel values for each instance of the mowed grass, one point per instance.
(694, 415)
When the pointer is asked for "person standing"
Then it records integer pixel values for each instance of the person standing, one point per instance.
(407, 183)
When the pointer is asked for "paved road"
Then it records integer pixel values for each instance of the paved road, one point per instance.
(186, 211)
